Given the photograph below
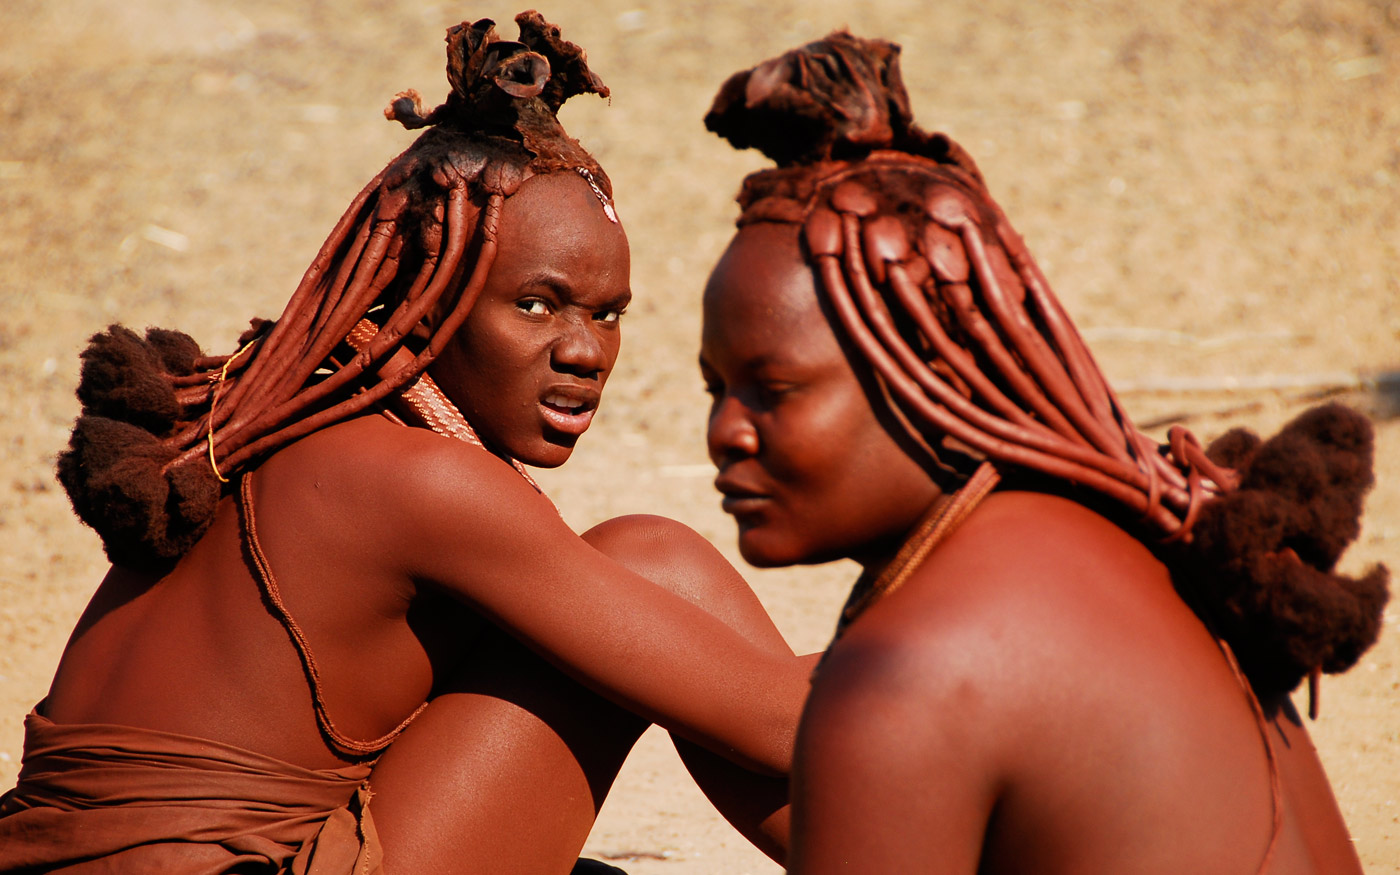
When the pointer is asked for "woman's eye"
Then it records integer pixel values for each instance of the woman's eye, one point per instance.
(773, 391)
(533, 307)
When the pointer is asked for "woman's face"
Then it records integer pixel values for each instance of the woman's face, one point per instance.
(528, 365)
(807, 470)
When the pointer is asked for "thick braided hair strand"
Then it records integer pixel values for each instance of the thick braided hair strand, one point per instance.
(163, 426)
(940, 297)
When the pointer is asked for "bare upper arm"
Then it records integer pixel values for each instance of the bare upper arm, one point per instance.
(898, 760)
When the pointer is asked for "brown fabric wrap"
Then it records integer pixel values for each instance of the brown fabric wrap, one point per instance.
(96, 798)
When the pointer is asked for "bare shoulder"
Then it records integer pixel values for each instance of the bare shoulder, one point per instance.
(1033, 595)
(374, 451)
(1039, 564)
(1033, 541)
(389, 487)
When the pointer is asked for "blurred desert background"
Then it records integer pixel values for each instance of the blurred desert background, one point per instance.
(1212, 186)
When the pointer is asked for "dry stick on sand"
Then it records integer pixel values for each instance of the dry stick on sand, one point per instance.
(1380, 388)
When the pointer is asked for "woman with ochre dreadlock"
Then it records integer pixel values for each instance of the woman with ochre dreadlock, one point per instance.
(1071, 649)
(312, 604)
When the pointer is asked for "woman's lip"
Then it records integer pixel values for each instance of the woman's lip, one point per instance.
(738, 504)
(575, 423)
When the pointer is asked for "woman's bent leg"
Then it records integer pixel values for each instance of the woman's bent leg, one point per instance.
(679, 559)
(504, 772)
(506, 769)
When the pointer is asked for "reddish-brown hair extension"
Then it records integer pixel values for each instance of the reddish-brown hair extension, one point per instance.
(162, 424)
(939, 296)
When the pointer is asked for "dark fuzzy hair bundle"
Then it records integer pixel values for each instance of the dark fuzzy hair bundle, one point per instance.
(1260, 567)
(117, 469)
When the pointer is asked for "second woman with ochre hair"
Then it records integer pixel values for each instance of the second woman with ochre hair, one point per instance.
(1071, 648)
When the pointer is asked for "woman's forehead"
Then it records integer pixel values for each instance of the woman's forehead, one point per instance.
(560, 201)
(761, 299)
(763, 261)
(555, 227)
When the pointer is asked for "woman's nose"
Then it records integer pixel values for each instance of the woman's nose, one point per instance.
(731, 432)
(580, 351)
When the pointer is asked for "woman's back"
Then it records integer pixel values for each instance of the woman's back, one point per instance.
(1039, 671)
(200, 651)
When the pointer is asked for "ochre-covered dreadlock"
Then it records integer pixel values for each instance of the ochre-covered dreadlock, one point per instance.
(163, 426)
(938, 294)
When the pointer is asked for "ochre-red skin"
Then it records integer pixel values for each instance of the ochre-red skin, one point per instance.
(1036, 697)
(421, 567)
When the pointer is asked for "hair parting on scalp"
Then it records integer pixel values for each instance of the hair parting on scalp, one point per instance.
(939, 296)
(163, 425)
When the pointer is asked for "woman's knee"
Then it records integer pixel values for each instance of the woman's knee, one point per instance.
(506, 767)
(679, 559)
(667, 553)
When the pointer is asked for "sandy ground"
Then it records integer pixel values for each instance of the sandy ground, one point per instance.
(1211, 185)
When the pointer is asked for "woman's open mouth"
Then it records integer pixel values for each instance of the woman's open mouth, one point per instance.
(568, 413)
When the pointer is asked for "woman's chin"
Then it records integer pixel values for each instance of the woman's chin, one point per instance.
(550, 452)
(552, 458)
(761, 552)
(763, 549)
